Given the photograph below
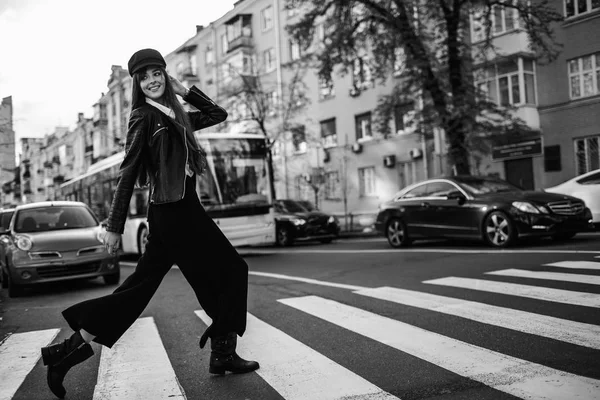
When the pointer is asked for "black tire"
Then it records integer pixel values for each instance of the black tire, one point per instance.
(112, 279)
(14, 290)
(4, 278)
(499, 230)
(142, 239)
(563, 236)
(283, 236)
(397, 234)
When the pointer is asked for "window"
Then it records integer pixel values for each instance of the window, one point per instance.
(224, 44)
(328, 133)
(193, 65)
(332, 185)
(552, 158)
(587, 156)
(209, 55)
(502, 20)
(326, 89)
(240, 27)
(419, 191)
(272, 102)
(510, 82)
(399, 61)
(225, 72)
(592, 179)
(584, 76)
(269, 59)
(299, 139)
(361, 73)
(242, 63)
(303, 189)
(366, 181)
(578, 7)
(439, 189)
(402, 118)
(363, 126)
(266, 18)
(295, 52)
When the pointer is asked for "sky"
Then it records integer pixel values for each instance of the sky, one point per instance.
(56, 55)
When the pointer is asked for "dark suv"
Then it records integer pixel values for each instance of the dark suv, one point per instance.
(294, 222)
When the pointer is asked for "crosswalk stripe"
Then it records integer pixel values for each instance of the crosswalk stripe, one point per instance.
(18, 355)
(578, 333)
(575, 264)
(552, 276)
(504, 373)
(513, 289)
(305, 280)
(296, 371)
(137, 367)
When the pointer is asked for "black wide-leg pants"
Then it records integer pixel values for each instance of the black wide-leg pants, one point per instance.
(180, 232)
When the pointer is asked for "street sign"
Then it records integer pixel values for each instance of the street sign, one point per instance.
(526, 148)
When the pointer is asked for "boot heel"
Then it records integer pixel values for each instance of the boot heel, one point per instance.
(45, 355)
(216, 370)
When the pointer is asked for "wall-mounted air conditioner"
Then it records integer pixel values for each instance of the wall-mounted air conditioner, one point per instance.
(389, 161)
(356, 147)
(354, 91)
(415, 153)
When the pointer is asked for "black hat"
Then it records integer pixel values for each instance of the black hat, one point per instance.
(143, 58)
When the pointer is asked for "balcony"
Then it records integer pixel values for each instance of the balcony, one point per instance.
(239, 32)
(240, 42)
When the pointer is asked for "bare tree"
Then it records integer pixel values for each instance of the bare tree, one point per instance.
(430, 41)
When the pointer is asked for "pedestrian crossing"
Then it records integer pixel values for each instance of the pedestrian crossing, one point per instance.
(138, 365)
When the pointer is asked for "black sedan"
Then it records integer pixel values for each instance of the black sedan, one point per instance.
(480, 208)
(293, 222)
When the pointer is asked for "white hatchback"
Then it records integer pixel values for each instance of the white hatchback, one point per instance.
(587, 188)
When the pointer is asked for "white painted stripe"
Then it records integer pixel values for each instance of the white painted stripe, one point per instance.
(428, 250)
(575, 264)
(578, 333)
(504, 373)
(513, 289)
(552, 276)
(18, 355)
(296, 371)
(306, 280)
(137, 367)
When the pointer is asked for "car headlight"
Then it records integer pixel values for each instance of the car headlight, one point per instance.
(298, 221)
(526, 207)
(332, 220)
(23, 243)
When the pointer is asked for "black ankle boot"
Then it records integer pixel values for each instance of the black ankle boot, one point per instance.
(224, 358)
(61, 357)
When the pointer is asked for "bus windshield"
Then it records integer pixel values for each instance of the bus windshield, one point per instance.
(236, 176)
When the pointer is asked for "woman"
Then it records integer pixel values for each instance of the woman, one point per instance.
(161, 151)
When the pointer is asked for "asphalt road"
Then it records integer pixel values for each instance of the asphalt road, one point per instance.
(350, 320)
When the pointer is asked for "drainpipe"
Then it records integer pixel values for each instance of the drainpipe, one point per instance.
(277, 28)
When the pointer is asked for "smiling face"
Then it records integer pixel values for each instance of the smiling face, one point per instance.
(152, 83)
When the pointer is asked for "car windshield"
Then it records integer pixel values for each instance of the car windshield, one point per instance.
(485, 186)
(292, 206)
(5, 219)
(54, 218)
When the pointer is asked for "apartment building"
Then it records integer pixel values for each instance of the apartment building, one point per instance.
(333, 146)
(32, 170)
(569, 95)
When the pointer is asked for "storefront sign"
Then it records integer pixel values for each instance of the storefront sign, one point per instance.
(526, 148)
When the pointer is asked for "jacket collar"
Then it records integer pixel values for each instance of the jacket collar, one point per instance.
(166, 110)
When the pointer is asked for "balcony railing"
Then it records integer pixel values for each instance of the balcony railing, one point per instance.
(240, 41)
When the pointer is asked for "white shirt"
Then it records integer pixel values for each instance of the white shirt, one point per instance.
(170, 113)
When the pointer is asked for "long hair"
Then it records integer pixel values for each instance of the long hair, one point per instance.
(196, 155)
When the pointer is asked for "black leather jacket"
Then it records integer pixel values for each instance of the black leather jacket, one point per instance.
(158, 143)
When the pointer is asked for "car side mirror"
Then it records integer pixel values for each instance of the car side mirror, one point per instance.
(3, 231)
(458, 196)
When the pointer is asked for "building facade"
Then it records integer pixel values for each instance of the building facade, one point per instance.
(32, 170)
(7, 153)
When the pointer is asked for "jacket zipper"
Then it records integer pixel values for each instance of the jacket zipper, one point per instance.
(185, 161)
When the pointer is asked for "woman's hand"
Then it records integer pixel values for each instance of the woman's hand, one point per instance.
(111, 242)
(178, 86)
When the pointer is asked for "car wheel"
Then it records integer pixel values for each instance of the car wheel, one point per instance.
(4, 278)
(397, 234)
(283, 236)
(142, 238)
(112, 279)
(499, 230)
(564, 236)
(14, 290)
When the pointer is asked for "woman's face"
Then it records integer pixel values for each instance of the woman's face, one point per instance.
(153, 83)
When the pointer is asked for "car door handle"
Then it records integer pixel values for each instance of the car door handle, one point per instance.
(425, 204)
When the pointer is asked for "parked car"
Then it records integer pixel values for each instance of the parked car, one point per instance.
(5, 217)
(294, 222)
(587, 188)
(481, 208)
(54, 241)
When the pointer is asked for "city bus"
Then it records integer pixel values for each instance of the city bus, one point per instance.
(235, 191)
